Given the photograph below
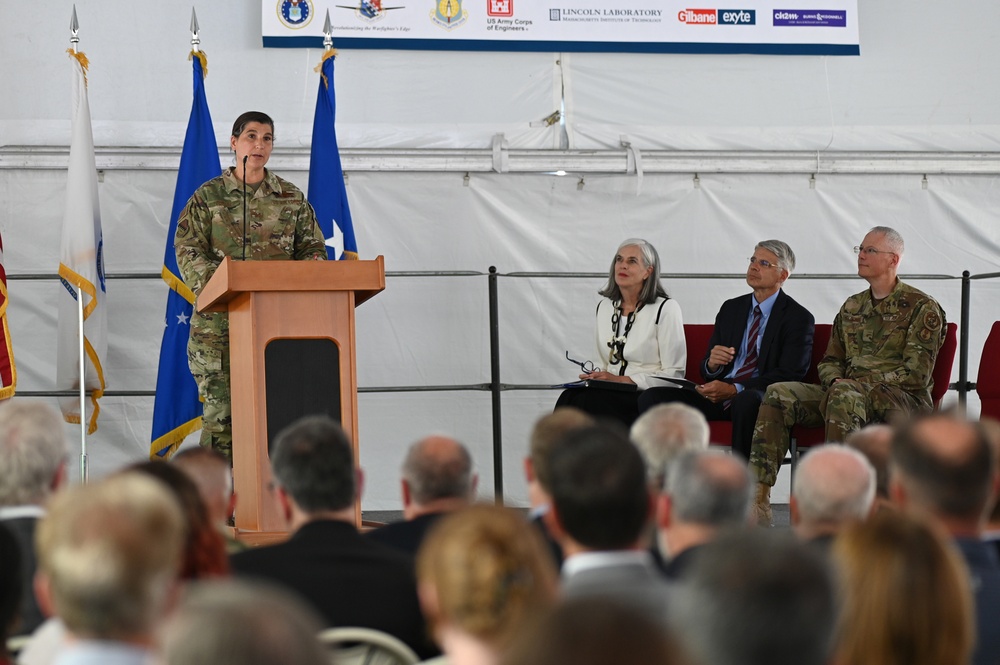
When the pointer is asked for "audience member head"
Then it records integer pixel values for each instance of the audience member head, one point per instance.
(109, 556)
(756, 597)
(594, 631)
(484, 573)
(11, 586)
(547, 432)
(664, 432)
(242, 623)
(313, 466)
(204, 547)
(874, 441)
(905, 597)
(945, 466)
(705, 491)
(437, 476)
(32, 452)
(213, 475)
(782, 252)
(599, 495)
(834, 486)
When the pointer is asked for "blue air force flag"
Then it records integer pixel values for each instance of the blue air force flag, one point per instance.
(177, 410)
(327, 192)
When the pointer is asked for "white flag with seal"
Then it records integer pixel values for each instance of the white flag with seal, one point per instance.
(81, 264)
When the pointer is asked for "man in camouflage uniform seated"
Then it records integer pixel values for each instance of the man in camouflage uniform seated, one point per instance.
(878, 366)
(281, 226)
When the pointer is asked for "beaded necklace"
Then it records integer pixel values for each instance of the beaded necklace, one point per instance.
(617, 343)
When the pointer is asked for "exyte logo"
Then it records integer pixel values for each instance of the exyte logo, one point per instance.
(737, 17)
(697, 16)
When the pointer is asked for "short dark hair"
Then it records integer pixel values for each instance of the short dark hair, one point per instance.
(313, 460)
(953, 479)
(756, 597)
(251, 116)
(547, 433)
(599, 487)
(11, 583)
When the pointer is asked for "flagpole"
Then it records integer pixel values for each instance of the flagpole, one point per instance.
(74, 39)
(83, 390)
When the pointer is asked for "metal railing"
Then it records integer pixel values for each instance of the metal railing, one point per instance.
(496, 387)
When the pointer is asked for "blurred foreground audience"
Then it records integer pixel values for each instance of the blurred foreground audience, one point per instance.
(756, 597)
(484, 576)
(664, 432)
(946, 468)
(874, 442)
(594, 631)
(904, 593)
(32, 466)
(213, 476)
(109, 556)
(242, 623)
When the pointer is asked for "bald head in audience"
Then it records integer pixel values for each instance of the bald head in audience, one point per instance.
(437, 477)
(834, 486)
(664, 432)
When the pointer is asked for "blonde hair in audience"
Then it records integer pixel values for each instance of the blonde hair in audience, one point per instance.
(905, 593)
(110, 553)
(487, 571)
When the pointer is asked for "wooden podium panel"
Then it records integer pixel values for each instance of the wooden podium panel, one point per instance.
(282, 301)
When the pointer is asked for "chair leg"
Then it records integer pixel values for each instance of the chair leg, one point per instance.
(793, 451)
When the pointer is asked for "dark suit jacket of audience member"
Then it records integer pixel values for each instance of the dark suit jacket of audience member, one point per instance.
(785, 349)
(675, 568)
(405, 536)
(350, 580)
(984, 569)
(640, 586)
(23, 529)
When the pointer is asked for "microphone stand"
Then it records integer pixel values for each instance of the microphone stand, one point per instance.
(245, 157)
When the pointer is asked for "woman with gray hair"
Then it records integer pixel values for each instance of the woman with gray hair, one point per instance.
(640, 335)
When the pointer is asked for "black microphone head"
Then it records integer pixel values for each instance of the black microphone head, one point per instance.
(245, 158)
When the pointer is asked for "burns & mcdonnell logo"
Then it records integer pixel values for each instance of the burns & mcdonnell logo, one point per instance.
(823, 18)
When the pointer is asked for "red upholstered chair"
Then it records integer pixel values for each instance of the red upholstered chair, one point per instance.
(696, 336)
(988, 379)
(804, 437)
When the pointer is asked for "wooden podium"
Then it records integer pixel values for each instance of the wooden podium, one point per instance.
(291, 349)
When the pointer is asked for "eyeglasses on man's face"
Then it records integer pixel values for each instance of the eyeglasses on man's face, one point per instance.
(586, 365)
(871, 251)
(763, 263)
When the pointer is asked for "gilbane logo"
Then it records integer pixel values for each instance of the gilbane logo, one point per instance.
(697, 16)
(737, 17)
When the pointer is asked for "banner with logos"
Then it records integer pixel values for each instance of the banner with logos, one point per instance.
(779, 27)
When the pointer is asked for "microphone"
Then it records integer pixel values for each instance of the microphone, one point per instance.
(245, 158)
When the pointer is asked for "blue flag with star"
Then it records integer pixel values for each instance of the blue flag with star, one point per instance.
(327, 192)
(177, 409)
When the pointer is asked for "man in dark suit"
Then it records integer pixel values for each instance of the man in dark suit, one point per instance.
(437, 479)
(945, 467)
(759, 339)
(350, 580)
(600, 509)
(32, 467)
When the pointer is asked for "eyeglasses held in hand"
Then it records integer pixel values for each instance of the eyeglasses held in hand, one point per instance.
(587, 366)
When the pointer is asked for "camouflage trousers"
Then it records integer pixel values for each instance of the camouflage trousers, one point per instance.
(208, 358)
(842, 408)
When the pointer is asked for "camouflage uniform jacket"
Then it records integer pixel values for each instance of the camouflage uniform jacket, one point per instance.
(894, 342)
(281, 226)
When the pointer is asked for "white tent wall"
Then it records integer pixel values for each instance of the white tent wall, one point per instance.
(917, 85)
